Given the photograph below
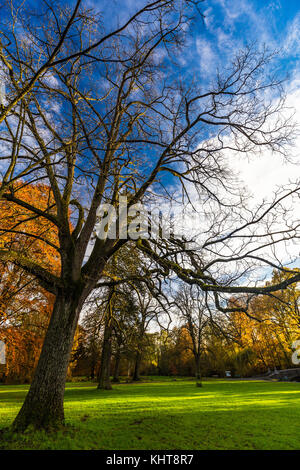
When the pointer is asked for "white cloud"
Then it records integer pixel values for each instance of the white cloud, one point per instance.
(292, 43)
(208, 59)
(263, 174)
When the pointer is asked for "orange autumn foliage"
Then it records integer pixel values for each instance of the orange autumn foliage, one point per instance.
(29, 234)
(25, 308)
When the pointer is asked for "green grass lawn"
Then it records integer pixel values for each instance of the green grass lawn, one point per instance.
(167, 415)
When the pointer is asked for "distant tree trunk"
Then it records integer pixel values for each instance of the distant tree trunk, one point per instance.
(104, 373)
(92, 370)
(94, 359)
(117, 366)
(128, 370)
(198, 368)
(136, 373)
(43, 406)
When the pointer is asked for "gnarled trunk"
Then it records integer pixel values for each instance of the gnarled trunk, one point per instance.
(104, 373)
(43, 405)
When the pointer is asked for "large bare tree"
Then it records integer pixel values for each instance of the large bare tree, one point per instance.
(39, 62)
(118, 121)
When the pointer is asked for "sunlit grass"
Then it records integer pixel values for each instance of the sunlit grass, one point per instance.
(167, 415)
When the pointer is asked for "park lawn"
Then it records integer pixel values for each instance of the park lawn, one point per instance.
(167, 414)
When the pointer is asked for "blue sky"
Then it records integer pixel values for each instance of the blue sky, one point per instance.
(228, 26)
(231, 24)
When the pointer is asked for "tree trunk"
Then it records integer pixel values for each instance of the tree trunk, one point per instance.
(43, 405)
(104, 373)
(92, 375)
(94, 359)
(128, 370)
(198, 368)
(136, 373)
(117, 367)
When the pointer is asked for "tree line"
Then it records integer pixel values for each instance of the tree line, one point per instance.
(136, 328)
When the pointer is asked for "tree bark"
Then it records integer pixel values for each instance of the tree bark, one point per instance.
(104, 373)
(43, 405)
(136, 374)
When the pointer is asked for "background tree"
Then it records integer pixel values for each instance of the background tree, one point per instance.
(25, 307)
(147, 311)
(267, 335)
(195, 317)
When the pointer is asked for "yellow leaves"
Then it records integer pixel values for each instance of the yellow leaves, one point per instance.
(270, 338)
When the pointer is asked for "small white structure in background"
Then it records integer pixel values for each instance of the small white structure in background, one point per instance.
(2, 353)
(228, 373)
